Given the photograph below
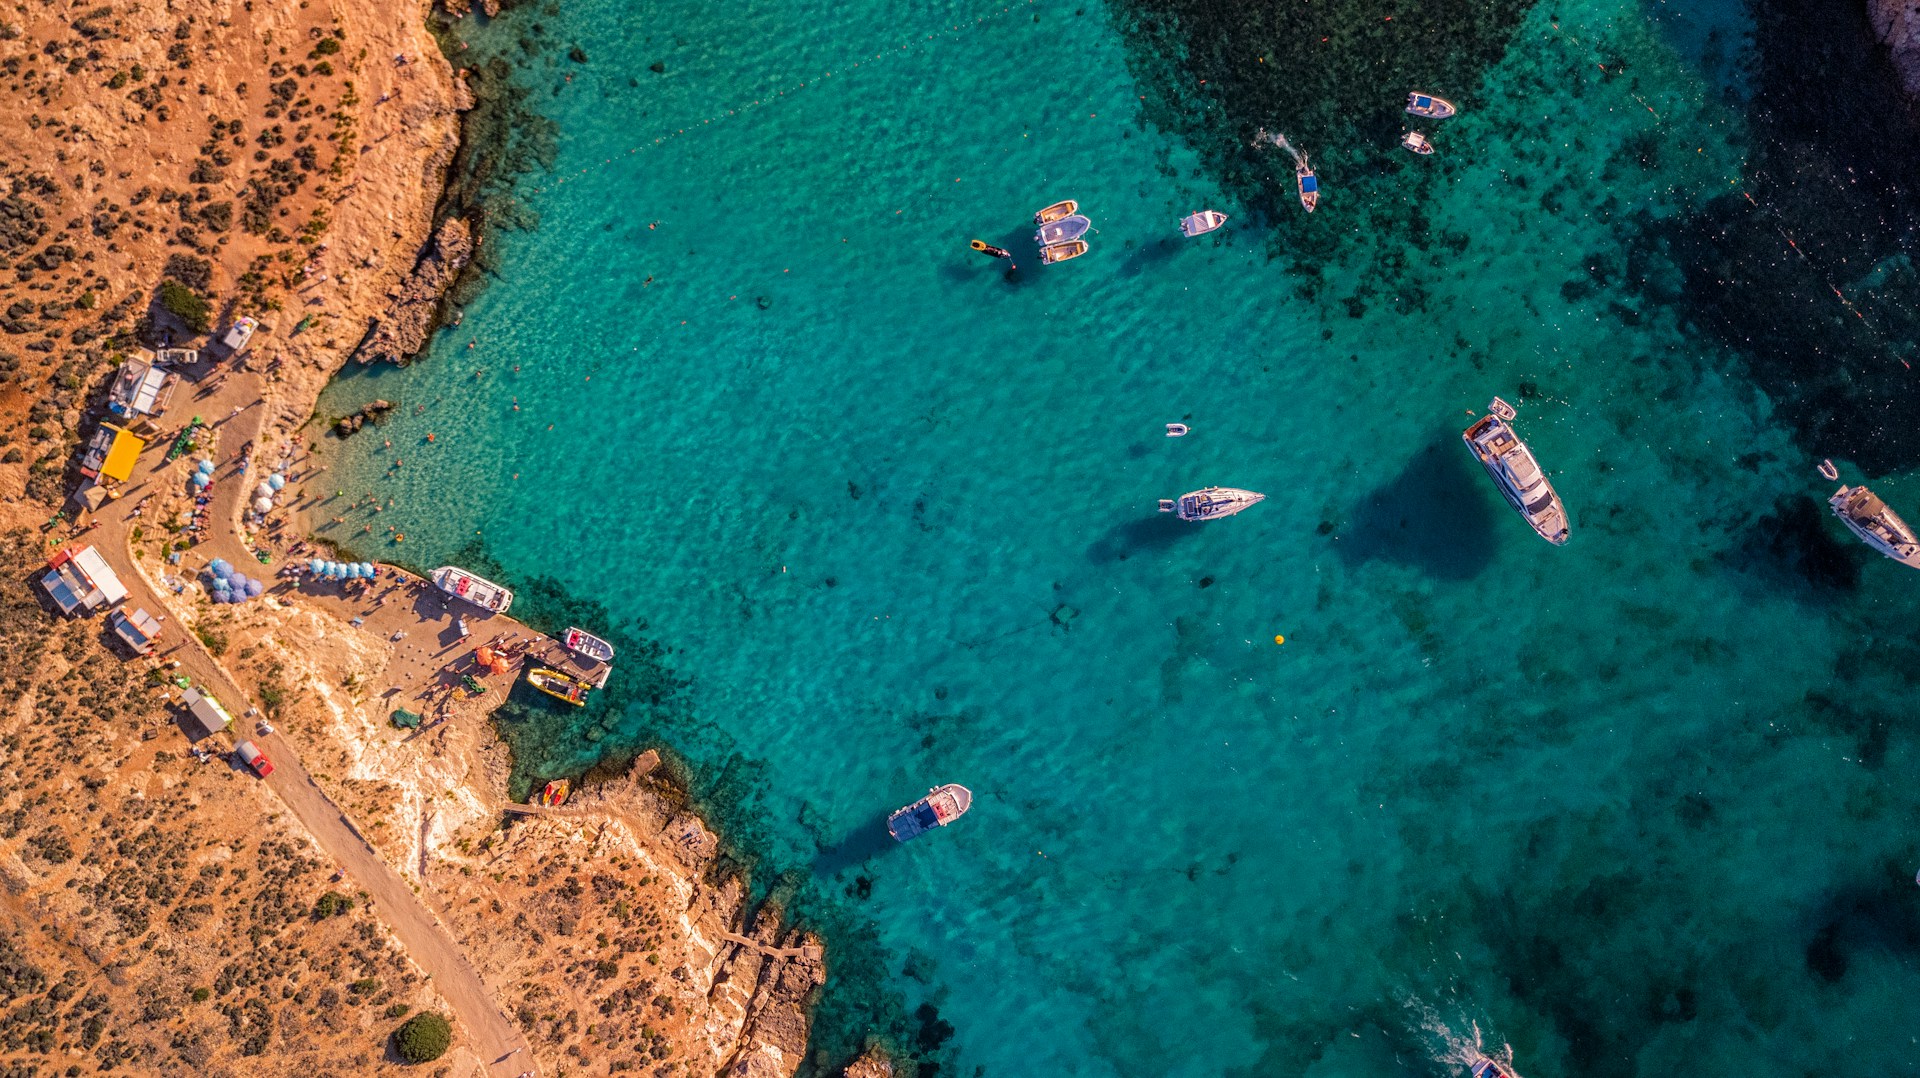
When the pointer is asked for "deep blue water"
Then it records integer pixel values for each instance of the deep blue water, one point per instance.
(865, 514)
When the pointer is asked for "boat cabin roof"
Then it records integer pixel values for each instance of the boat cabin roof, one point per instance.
(1309, 182)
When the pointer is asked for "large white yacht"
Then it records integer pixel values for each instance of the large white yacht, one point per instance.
(1511, 464)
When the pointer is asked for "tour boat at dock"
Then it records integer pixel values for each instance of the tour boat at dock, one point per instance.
(941, 806)
(1212, 503)
(1429, 106)
(1515, 471)
(479, 591)
(1199, 224)
(1877, 525)
(559, 685)
(1066, 207)
(581, 642)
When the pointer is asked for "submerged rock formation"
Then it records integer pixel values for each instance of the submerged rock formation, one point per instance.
(1897, 24)
(399, 334)
(349, 424)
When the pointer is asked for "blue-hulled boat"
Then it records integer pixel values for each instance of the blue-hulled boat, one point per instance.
(941, 806)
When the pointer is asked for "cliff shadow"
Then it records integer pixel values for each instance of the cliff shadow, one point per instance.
(1436, 516)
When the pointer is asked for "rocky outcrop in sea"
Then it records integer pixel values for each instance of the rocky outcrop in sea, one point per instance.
(1897, 24)
(413, 306)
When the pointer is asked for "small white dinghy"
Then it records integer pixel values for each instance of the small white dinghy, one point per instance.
(1417, 142)
(1199, 224)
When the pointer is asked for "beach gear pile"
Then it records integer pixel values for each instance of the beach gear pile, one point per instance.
(335, 570)
(225, 584)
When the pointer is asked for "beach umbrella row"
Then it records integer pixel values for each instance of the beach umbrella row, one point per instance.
(334, 570)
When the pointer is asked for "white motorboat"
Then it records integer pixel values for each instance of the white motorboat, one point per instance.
(941, 806)
(582, 642)
(1065, 230)
(1429, 106)
(477, 590)
(1199, 224)
(1514, 470)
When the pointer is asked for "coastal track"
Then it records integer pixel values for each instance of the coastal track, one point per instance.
(433, 948)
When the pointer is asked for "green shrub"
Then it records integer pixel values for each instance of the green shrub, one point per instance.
(327, 46)
(201, 995)
(187, 305)
(331, 904)
(398, 1010)
(423, 1038)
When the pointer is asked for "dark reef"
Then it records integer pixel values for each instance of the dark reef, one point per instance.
(1830, 165)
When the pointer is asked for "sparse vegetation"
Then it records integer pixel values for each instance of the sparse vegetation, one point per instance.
(423, 1038)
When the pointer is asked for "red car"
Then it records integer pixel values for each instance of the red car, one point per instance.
(251, 755)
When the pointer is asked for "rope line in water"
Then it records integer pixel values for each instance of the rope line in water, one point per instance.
(795, 87)
(1778, 219)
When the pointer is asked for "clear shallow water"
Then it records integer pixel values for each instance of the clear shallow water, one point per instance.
(1632, 806)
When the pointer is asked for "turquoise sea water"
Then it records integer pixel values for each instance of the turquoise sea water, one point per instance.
(865, 515)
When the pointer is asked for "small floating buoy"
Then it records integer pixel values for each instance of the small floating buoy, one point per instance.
(1176, 430)
(1279, 639)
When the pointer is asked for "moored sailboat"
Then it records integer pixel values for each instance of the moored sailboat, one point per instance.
(1876, 524)
(1211, 503)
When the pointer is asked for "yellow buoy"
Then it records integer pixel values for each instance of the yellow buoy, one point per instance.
(1278, 639)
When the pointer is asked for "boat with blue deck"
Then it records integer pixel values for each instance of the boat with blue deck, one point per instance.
(941, 806)
(1309, 184)
(1433, 108)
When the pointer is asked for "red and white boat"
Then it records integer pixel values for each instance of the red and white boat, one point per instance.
(581, 642)
(941, 806)
(477, 590)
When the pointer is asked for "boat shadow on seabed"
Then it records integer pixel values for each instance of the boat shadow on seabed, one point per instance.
(864, 843)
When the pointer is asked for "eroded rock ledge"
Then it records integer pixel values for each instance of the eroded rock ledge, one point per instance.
(1897, 24)
(414, 305)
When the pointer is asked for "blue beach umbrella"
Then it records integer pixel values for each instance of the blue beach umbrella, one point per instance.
(199, 482)
(205, 467)
(314, 565)
(254, 588)
(277, 481)
(219, 565)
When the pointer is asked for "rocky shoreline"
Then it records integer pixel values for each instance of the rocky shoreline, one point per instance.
(1897, 24)
(414, 307)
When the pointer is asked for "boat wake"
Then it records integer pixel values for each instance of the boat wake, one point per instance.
(1261, 137)
(1456, 1042)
